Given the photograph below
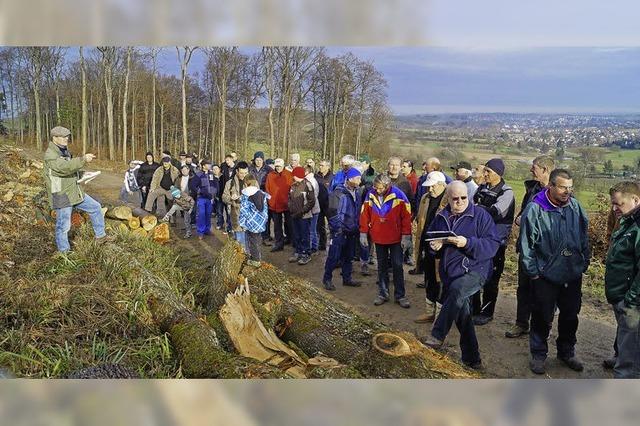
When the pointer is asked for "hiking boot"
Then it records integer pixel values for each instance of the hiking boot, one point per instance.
(351, 283)
(364, 270)
(573, 363)
(609, 363)
(304, 259)
(403, 302)
(537, 366)
(428, 316)
(328, 285)
(432, 342)
(106, 239)
(481, 319)
(415, 271)
(254, 263)
(379, 300)
(516, 331)
(276, 248)
(477, 365)
(294, 258)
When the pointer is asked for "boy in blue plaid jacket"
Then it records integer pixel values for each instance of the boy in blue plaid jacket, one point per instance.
(253, 217)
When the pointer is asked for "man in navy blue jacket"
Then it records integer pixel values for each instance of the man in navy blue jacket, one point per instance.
(465, 265)
(203, 185)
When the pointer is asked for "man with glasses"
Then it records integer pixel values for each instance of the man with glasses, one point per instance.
(496, 197)
(554, 248)
(465, 239)
(61, 175)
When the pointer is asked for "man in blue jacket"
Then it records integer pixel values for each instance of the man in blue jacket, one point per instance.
(465, 265)
(202, 185)
(343, 215)
(554, 248)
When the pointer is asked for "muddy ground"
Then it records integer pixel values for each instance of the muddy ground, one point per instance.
(502, 357)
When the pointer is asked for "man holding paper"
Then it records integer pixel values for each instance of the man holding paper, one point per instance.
(465, 264)
(62, 174)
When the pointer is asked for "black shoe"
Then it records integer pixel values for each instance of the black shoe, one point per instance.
(609, 363)
(573, 363)
(277, 248)
(415, 271)
(537, 366)
(329, 286)
(474, 365)
(322, 248)
(351, 283)
(481, 319)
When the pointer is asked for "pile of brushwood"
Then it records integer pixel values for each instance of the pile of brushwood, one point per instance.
(134, 308)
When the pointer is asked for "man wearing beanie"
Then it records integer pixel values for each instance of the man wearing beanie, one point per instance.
(496, 197)
(301, 201)
(259, 170)
(343, 215)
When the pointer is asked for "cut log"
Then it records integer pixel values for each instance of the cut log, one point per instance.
(134, 223)
(119, 212)
(139, 233)
(252, 339)
(317, 322)
(161, 233)
(149, 222)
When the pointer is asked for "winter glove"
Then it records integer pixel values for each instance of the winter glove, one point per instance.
(364, 242)
(406, 243)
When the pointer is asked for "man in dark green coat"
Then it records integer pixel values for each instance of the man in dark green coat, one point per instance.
(622, 277)
(554, 248)
(61, 175)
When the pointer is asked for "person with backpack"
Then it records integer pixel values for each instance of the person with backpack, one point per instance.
(302, 199)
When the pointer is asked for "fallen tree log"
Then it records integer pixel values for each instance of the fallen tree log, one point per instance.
(319, 323)
(119, 212)
(134, 223)
(161, 233)
(225, 270)
(148, 222)
(194, 341)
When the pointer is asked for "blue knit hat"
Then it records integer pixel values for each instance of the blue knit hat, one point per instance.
(352, 173)
(497, 165)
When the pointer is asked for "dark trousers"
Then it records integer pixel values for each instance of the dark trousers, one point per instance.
(267, 232)
(431, 284)
(523, 309)
(322, 230)
(390, 256)
(278, 228)
(456, 307)
(302, 232)
(341, 250)
(486, 304)
(289, 230)
(143, 196)
(253, 245)
(628, 342)
(546, 296)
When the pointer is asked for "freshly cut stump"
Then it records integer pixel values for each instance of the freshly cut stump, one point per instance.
(161, 233)
(134, 223)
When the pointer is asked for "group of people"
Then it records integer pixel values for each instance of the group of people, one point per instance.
(452, 230)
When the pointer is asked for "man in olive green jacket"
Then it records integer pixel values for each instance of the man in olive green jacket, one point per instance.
(622, 277)
(61, 175)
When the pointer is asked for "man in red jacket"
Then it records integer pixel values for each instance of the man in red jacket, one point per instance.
(386, 218)
(277, 185)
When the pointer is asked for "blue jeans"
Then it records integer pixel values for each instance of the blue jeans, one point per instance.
(456, 307)
(341, 249)
(314, 232)
(63, 221)
(203, 216)
(628, 339)
(301, 230)
(384, 252)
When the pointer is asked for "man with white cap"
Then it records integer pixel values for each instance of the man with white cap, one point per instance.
(61, 175)
(433, 201)
(277, 185)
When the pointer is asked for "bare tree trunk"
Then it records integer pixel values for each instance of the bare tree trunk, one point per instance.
(200, 130)
(153, 111)
(84, 102)
(146, 126)
(133, 127)
(125, 97)
(110, 131)
(184, 63)
(36, 98)
(161, 127)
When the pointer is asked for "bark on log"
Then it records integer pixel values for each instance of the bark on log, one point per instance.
(318, 322)
(226, 269)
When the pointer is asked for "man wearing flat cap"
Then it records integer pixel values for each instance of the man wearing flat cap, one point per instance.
(463, 172)
(61, 175)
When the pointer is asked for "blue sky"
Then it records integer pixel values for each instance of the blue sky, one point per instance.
(462, 79)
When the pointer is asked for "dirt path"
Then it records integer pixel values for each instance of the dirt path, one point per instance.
(503, 358)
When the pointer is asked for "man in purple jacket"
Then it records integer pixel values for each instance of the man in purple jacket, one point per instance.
(465, 265)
